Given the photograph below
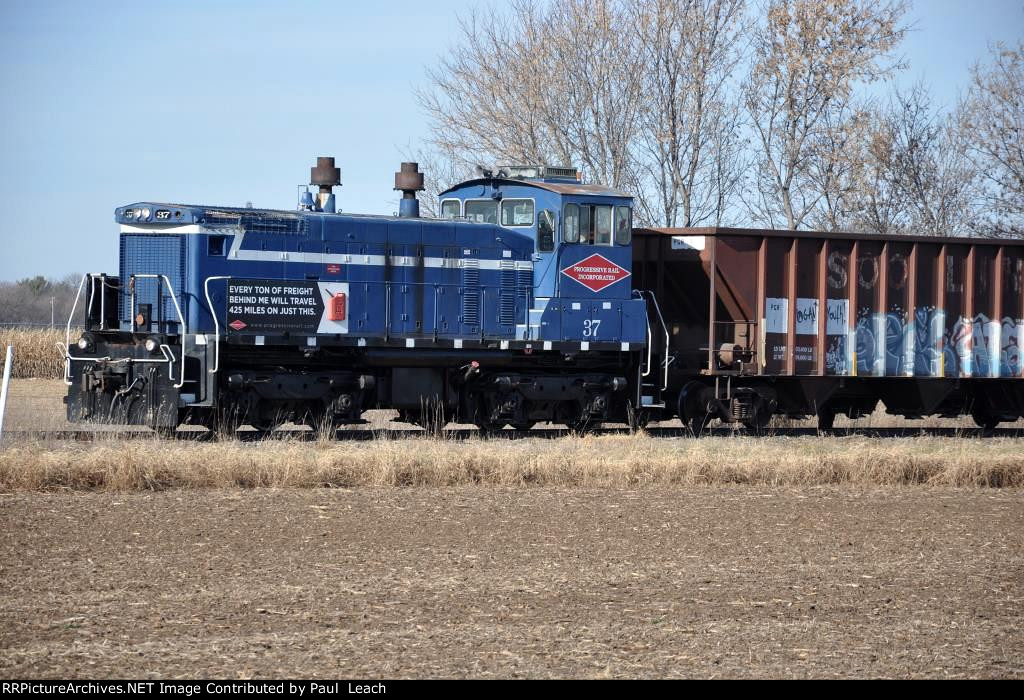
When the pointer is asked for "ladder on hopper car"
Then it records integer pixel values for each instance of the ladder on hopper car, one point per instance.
(653, 377)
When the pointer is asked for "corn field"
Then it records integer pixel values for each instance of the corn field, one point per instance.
(35, 352)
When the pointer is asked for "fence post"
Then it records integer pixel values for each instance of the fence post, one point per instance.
(3, 387)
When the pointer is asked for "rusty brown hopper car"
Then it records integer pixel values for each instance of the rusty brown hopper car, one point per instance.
(763, 322)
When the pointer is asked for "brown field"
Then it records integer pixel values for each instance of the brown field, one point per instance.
(513, 582)
(597, 556)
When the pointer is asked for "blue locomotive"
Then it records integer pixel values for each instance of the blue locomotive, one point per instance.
(514, 307)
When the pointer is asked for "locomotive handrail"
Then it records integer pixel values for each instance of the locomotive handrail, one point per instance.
(216, 323)
(664, 327)
(67, 335)
(661, 319)
(66, 349)
(181, 318)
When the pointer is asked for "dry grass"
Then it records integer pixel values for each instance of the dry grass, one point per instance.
(603, 461)
(35, 352)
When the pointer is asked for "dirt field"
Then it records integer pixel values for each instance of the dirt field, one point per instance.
(485, 581)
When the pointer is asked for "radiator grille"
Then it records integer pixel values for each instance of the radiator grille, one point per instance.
(524, 286)
(257, 222)
(471, 292)
(152, 255)
(507, 296)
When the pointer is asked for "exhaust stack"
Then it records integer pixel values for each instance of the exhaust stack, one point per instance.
(409, 181)
(327, 177)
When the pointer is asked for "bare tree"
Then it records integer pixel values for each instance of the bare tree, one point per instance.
(992, 119)
(635, 92)
(689, 135)
(808, 56)
(876, 202)
(900, 168)
(38, 300)
(928, 165)
(537, 84)
(837, 168)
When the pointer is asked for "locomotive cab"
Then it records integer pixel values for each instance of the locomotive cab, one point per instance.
(583, 253)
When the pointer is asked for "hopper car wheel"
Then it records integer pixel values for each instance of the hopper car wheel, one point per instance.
(985, 421)
(826, 420)
(762, 416)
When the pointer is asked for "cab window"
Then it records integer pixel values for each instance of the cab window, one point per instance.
(517, 212)
(546, 231)
(482, 211)
(571, 224)
(623, 226)
(603, 225)
(451, 208)
(596, 224)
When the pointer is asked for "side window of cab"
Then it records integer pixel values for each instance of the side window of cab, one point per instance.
(571, 224)
(546, 231)
(451, 209)
(623, 225)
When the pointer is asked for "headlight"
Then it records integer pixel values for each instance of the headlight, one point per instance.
(152, 344)
(86, 343)
(144, 214)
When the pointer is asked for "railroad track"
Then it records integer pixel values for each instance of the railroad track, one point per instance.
(348, 435)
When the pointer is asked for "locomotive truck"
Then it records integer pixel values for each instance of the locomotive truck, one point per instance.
(532, 298)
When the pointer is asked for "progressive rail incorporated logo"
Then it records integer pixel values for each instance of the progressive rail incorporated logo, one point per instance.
(596, 272)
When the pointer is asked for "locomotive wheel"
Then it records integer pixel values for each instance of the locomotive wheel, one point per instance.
(583, 426)
(697, 424)
(431, 422)
(224, 420)
(639, 420)
(320, 422)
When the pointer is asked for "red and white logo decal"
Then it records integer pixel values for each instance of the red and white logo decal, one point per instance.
(333, 269)
(238, 324)
(596, 272)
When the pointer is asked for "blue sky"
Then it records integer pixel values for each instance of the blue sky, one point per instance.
(107, 103)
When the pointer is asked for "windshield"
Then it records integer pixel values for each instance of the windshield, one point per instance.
(482, 211)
